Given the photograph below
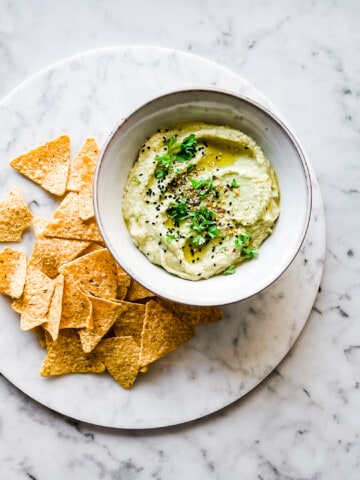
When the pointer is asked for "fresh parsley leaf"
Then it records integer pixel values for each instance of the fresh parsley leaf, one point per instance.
(249, 252)
(229, 270)
(242, 240)
(234, 183)
(178, 212)
(170, 238)
(176, 152)
(188, 147)
(213, 231)
(206, 185)
(171, 144)
(198, 240)
(136, 180)
(163, 165)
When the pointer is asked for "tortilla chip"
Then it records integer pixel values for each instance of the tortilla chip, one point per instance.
(66, 356)
(130, 323)
(76, 307)
(137, 292)
(38, 225)
(47, 165)
(17, 305)
(121, 358)
(91, 248)
(104, 315)
(66, 222)
(54, 314)
(89, 149)
(123, 283)
(86, 188)
(193, 315)
(15, 216)
(12, 272)
(40, 335)
(162, 333)
(38, 292)
(50, 253)
(94, 273)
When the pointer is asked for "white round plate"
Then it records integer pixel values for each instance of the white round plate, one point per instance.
(87, 95)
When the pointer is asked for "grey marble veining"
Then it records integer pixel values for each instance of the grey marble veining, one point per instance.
(303, 421)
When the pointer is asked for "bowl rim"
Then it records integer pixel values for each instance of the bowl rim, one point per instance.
(258, 106)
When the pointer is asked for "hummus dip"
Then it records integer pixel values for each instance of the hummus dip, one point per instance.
(200, 199)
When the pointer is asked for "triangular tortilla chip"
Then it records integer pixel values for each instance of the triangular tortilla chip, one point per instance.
(88, 149)
(104, 315)
(76, 307)
(121, 358)
(47, 165)
(66, 356)
(17, 305)
(12, 272)
(137, 292)
(192, 314)
(38, 292)
(91, 248)
(123, 283)
(86, 189)
(54, 314)
(130, 322)
(15, 216)
(50, 253)
(162, 333)
(40, 334)
(95, 273)
(66, 222)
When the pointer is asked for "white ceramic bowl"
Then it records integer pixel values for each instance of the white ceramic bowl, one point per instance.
(218, 107)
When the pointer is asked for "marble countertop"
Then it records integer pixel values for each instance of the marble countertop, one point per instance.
(303, 421)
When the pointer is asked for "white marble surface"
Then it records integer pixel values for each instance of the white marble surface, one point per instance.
(224, 361)
(303, 421)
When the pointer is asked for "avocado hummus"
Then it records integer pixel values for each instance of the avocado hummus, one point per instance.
(200, 199)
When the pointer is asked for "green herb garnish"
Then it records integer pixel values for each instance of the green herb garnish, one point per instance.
(178, 212)
(234, 183)
(249, 252)
(136, 180)
(229, 270)
(176, 152)
(170, 238)
(204, 185)
(203, 222)
(242, 240)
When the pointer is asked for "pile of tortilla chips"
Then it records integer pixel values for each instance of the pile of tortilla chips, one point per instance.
(86, 311)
